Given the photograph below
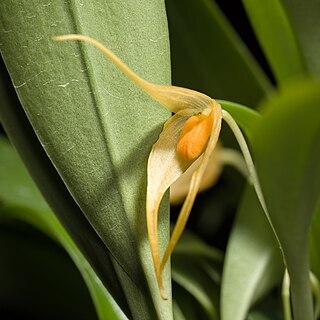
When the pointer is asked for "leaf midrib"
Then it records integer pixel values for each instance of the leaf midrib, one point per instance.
(90, 75)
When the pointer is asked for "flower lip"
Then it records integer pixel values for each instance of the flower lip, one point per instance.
(194, 136)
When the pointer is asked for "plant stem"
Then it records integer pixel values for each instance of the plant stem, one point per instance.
(233, 158)
(251, 168)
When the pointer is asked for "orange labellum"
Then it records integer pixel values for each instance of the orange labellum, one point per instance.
(194, 136)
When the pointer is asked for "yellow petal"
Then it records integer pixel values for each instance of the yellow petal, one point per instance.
(179, 190)
(164, 168)
(173, 98)
(193, 189)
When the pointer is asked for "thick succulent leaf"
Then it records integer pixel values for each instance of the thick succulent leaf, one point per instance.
(277, 39)
(20, 199)
(253, 263)
(94, 124)
(287, 152)
(21, 133)
(208, 55)
(304, 19)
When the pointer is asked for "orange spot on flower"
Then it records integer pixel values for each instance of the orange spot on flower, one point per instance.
(194, 136)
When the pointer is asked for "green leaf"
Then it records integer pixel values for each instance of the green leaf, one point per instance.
(253, 263)
(190, 246)
(269, 308)
(95, 125)
(20, 132)
(257, 316)
(177, 312)
(195, 281)
(187, 304)
(277, 39)
(304, 19)
(104, 304)
(196, 267)
(287, 150)
(37, 277)
(245, 117)
(20, 199)
(208, 55)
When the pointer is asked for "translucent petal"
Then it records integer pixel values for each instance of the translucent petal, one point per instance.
(173, 98)
(164, 168)
(180, 189)
(193, 189)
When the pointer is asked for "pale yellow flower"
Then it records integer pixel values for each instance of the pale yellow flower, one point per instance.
(190, 135)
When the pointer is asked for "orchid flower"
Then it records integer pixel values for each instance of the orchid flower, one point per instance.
(190, 135)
